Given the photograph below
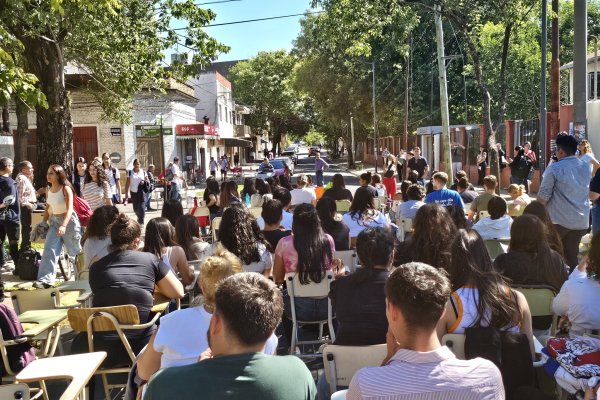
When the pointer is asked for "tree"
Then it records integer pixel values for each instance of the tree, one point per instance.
(264, 83)
(121, 45)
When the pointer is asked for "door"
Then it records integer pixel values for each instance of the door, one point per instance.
(85, 142)
(148, 152)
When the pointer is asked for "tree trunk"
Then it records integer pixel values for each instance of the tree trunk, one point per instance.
(5, 117)
(22, 134)
(54, 134)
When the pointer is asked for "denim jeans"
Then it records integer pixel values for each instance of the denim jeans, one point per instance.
(139, 205)
(11, 231)
(175, 192)
(54, 244)
(570, 241)
(319, 177)
(307, 309)
(595, 219)
(148, 200)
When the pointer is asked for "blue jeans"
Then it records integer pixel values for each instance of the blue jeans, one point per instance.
(138, 200)
(319, 175)
(175, 192)
(323, 388)
(148, 199)
(307, 309)
(595, 219)
(54, 244)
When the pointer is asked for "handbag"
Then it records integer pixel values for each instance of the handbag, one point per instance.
(389, 173)
(81, 208)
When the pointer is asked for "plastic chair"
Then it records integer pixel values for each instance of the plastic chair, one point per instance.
(109, 319)
(539, 298)
(342, 206)
(349, 259)
(314, 290)
(15, 391)
(255, 211)
(456, 343)
(339, 395)
(483, 214)
(342, 362)
(496, 247)
(406, 226)
(158, 194)
(214, 225)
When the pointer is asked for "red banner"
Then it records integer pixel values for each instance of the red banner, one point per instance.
(196, 130)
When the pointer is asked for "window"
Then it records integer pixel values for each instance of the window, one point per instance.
(226, 115)
(220, 113)
(591, 81)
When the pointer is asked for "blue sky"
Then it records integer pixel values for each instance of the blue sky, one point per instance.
(247, 39)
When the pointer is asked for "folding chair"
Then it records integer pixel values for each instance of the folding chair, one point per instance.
(483, 214)
(342, 362)
(109, 319)
(314, 290)
(342, 206)
(456, 343)
(406, 226)
(200, 212)
(255, 211)
(15, 391)
(349, 259)
(496, 247)
(539, 298)
(214, 225)
(339, 395)
(158, 193)
(191, 289)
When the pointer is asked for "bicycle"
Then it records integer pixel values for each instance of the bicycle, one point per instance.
(66, 266)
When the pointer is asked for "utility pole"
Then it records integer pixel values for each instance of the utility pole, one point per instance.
(439, 30)
(406, 98)
(580, 69)
(543, 110)
(554, 80)
(375, 142)
(351, 152)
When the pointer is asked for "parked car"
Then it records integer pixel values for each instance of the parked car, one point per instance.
(289, 162)
(312, 152)
(280, 167)
(292, 155)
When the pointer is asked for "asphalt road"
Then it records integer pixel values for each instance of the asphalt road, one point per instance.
(306, 165)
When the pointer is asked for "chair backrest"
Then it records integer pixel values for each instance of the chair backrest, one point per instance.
(406, 226)
(483, 214)
(125, 315)
(348, 257)
(39, 299)
(201, 212)
(339, 395)
(255, 211)
(346, 360)
(342, 206)
(539, 298)
(312, 289)
(496, 247)
(377, 202)
(395, 205)
(456, 343)
(215, 224)
(15, 391)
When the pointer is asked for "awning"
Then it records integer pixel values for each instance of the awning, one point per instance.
(231, 142)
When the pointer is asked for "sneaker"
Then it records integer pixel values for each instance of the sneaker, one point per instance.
(41, 285)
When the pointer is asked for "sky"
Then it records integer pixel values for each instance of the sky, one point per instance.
(247, 39)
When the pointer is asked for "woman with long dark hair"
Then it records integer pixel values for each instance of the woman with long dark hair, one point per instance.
(78, 178)
(137, 182)
(172, 210)
(229, 195)
(239, 233)
(363, 214)
(481, 297)
(327, 210)
(96, 189)
(96, 239)
(310, 252)
(364, 180)
(433, 231)
(539, 210)
(65, 228)
(211, 196)
(187, 232)
(248, 190)
(338, 190)
(160, 241)
(263, 193)
(284, 182)
(389, 176)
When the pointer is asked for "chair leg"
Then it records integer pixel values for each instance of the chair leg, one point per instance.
(320, 331)
(44, 390)
(294, 338)
(106, 388)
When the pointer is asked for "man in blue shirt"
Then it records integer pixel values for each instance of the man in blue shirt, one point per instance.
(320, 165)
(442, 196)
(564, 191)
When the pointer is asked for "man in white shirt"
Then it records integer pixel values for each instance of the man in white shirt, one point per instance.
(177, 182)
(417, 366)
(213, 166)
(303, 194)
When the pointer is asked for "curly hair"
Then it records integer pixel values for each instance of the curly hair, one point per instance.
(99, 173)
(239, 233)
(101, 222)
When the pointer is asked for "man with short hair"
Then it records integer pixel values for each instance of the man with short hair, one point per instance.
(564, 190)
(272, 215)
(248, 308)
(177, 181)
(481, 202)
(303, 194)
(213, 166)
(265, 166)
(152, 179)
(10, 216)
(419, 164)
(417, 366)
(320, 165)
(285, 197)
(462, 187)
(441, 195)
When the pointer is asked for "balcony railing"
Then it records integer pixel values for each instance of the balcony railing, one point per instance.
(242, 131)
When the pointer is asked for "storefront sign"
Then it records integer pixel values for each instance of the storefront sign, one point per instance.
(196, 130)
(152, 130)
(115, 131)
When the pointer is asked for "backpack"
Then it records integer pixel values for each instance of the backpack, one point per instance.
(81, 208)
(20, 355)
(29, 264)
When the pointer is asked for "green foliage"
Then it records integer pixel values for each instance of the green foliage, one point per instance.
(314, 138)
(567, 28)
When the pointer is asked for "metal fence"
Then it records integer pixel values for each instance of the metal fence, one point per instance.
(527, 131)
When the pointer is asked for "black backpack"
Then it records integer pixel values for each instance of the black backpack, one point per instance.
(29, 264)
(21, 354)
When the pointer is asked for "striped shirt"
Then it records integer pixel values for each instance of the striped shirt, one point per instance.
(25, 190)
(95, 195)
(434, 375)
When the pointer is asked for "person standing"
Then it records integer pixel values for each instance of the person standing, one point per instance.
(457, 157)
(389, 180)
(236, 159)
(418, 164)
(27, 201)
(96, 189)
(137, 182)
(213, 166)
(177, 182)
(9, 213)
(320, 165)
(152, 182)
(114, 178)
(481, 165)
(384, 156)
(78, 178)
(564, 191)
(64, 227)
(224, 168)
(520, 168)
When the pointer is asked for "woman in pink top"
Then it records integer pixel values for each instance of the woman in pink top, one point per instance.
(317, 249)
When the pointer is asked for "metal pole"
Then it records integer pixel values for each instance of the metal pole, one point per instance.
(351, 165)
(596, 86)
(406, 85)
(543, 111)
(580, 67)
(162, 156)
(374, 118)
(445, 139)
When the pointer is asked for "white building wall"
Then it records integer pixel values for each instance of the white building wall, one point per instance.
(593, 111)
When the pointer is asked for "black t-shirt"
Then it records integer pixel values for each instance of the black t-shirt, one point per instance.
(340, 234)
(127, 277)
(8, 187)
(273, 237)
(468, 196)
(369, 189)
(360, 310)
(338, 194)
(418, 165)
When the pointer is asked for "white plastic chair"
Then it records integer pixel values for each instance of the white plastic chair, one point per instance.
(313, 290)
(14, 391)
(215, 224)
(406, 226)
(342, 362)
(349, 259)
(483, 214)
(342, 206)
(255, 211)
(339, 395)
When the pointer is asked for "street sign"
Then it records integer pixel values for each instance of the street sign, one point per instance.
(152, 131)
(115, 131)
(115, 157)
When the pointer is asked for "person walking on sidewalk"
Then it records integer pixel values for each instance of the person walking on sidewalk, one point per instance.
(320, 165)
(65, 228)
(9, 213)
(137, 184)
(27, 201)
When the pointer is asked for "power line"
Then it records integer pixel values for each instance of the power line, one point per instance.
(255, 20)
(215, 2)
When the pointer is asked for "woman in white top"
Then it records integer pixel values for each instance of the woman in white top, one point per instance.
(137, 182)
(96, 189)
(520, 200)
(96, 239)
(587, 155)
(64, 225)
(481, 297)
(239, 233)
(363, 214)
(263, 193)
(160, 241)
(579, 297)
(379, 187)
(187, 232)
(181, 337)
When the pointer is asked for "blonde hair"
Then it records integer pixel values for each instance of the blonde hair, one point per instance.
(514, 188)
(221, 265)
(586, 146)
